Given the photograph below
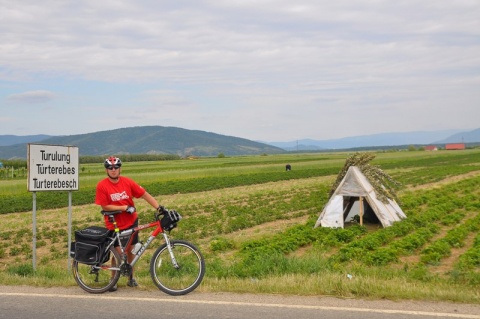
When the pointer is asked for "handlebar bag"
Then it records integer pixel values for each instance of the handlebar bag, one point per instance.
(170, 219)
(90, 244)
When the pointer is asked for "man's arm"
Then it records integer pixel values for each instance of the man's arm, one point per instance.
(150, 199)
(109, 208)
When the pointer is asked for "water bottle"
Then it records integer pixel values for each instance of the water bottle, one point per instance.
(136, 248)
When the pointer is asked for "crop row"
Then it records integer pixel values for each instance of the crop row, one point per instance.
(49, 200)
(214, 217)
(220, 218)
(431, 160)
(383, 246)
(471, 258)
(432, 174)
(426, 169)
(455, 238)
(437, 207)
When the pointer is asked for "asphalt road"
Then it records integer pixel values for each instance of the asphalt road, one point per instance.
(58, 302)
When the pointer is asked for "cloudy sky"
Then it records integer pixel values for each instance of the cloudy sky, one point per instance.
(270, 70)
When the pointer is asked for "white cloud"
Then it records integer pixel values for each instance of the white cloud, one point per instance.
(216, 65)
(32, 97)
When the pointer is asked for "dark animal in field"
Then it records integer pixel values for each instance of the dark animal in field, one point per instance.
(288, 167)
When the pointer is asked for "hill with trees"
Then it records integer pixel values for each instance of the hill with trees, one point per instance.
(150, 140)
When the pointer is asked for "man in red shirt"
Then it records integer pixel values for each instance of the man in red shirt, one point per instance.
(116, 193)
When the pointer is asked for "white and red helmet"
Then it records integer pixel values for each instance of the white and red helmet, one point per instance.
(112, 162)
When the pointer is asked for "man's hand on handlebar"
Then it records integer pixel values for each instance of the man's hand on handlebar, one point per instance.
(162, 210)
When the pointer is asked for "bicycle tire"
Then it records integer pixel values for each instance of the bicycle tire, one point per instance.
(97, 279)
(179, 281)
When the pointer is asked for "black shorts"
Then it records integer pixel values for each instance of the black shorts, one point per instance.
(124, 240)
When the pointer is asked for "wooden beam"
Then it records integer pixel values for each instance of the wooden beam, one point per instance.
(361, 210)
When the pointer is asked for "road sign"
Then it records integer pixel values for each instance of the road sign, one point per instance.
(52, 168)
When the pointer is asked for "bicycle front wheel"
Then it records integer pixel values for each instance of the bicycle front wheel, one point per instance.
(99, 278)
(182, 273)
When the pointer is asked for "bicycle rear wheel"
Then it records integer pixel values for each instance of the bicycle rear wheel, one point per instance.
(179, 280)
(98, 278)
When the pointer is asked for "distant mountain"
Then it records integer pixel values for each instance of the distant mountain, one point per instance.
(150, 140)
(463, 137)
(6, 140)
(183, 142)
(300, 145)
(383, 139)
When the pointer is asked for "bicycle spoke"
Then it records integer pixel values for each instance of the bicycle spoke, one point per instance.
(182, 279)
(98, 279)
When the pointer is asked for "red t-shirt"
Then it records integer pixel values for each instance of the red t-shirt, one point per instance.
(121, 193)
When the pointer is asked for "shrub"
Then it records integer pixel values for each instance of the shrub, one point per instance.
(23, 270)
(221, 244)
(381, 257)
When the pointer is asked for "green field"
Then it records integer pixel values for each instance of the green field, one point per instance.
(254, 223)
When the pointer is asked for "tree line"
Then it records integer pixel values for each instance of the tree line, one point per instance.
(21, 163)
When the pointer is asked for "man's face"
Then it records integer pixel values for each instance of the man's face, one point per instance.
(113, 172)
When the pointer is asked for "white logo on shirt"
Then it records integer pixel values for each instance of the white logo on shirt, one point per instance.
(119, 196)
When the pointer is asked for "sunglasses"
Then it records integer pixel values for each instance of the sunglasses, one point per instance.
(111, 168)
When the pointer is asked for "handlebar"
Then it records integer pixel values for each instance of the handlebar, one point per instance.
(111, 213)
(157, 215)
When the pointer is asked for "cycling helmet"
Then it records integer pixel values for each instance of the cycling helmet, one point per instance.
(112, 161)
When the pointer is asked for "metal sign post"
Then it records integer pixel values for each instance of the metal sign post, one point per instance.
(52, 168)
(69, 258)
(34, 230)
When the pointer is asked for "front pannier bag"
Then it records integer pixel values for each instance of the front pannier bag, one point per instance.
(170, 220)
(90, 245)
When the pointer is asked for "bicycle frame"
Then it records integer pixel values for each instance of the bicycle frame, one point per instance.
(132, 232)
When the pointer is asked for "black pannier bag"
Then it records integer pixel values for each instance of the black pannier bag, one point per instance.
(89, 246)
(170, 219)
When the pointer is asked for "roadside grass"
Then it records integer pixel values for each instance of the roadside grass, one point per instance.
(259, 238)
(373, 285)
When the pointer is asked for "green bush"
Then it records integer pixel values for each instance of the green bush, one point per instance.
(381, 257)
(221, 244)
(23, 270)
(435, 252)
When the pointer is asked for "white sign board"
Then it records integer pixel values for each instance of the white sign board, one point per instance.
(52, 168)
